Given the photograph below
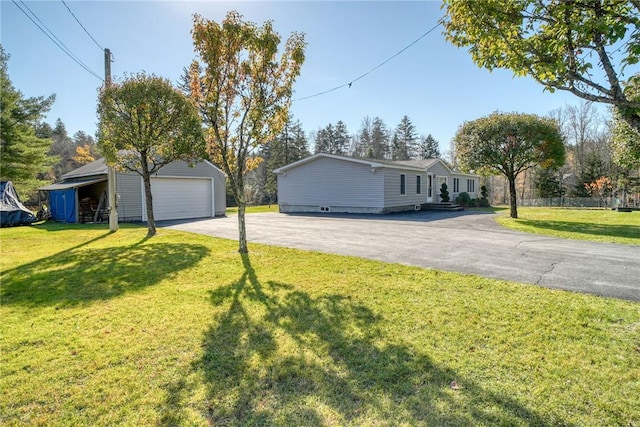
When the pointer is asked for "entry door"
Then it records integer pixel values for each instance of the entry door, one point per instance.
(429, 188)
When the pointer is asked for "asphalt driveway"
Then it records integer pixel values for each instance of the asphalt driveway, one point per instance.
(465, 242)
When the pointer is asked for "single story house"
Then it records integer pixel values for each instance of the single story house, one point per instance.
(331, 183)
(180, 190)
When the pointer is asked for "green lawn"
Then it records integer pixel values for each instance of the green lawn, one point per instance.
(598, 225)
(254, 209)
(115, 329)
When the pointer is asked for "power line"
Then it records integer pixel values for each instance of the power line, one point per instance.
(373, 69)
(80, 23)
(54, 38)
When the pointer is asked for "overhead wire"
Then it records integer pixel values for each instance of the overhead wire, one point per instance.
(47, 32)
(372, 69)
(83, 27)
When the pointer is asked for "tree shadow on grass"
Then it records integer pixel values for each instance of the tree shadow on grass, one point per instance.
(280, 356)
(79, 275)
(586, 228)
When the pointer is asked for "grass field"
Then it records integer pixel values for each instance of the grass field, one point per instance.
(115, 329)
(254, 209)
(599, 225)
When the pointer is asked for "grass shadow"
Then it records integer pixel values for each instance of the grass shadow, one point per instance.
(280, 356)
(586, 228)
(80, 275)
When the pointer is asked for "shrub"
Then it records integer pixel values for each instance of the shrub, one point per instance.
(464, 199)
(484, 192)
(444, 192)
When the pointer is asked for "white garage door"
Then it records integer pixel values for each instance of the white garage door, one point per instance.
(180, 198)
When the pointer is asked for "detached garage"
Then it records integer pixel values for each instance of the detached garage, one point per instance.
(180, 191)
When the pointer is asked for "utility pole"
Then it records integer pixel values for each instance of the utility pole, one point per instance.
(111, 173)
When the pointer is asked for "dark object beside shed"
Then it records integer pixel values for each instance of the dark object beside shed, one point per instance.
(12, 211)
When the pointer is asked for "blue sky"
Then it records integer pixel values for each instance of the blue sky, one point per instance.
(434, 83)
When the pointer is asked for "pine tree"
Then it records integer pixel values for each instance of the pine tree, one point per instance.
(364, 142)
(289, 146)
(323, 139)
(405, 140)
(429, 147)
(379, 139)
(341, 139)
(24, 155)
(547, 183)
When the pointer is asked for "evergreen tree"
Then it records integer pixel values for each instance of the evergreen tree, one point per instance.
(429, 147)
(379, 140)
(547, 182)
(289, 146)
(64, 149)
(323, 139)
(24, 154)
(405, 142)
(398, 151)
(341, 139)
(333, 139)
(364, 142)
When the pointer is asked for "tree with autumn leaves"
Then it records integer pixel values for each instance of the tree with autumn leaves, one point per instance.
(582, 47)
(508, 144)
(242, 89)
(145, 124)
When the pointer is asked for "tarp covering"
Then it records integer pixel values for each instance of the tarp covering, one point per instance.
(72, 184)
(62, 204)
(12, 211)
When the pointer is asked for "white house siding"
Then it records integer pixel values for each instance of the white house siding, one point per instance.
(332, 185)
(129, 191)
(439, 169)
(463, 185)
(393, 200)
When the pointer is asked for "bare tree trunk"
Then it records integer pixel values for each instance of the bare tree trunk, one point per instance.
(242, 205)
(151, 222)
(512, 197)
(242, 230)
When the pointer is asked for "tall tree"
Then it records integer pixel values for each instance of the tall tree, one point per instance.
(86, 149)
(323, 139)
(23, 154)
(363, 139)
(373, 139)
(554, 43)
(587, 141)
(379, 139)
(429, 147)
(289, 146)
(547, 183)
(341, 139)
(145, 123)
(509, 144)
(405, 140)
(63, 148)
(243, 91)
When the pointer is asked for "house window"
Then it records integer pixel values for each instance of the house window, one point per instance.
(403, 184)
(456, 185)
(471, 185)
(418, 184)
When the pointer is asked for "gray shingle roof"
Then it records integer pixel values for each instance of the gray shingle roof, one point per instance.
(97, 167)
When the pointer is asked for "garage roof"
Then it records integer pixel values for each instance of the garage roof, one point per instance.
(72, 184)
(97, 167)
